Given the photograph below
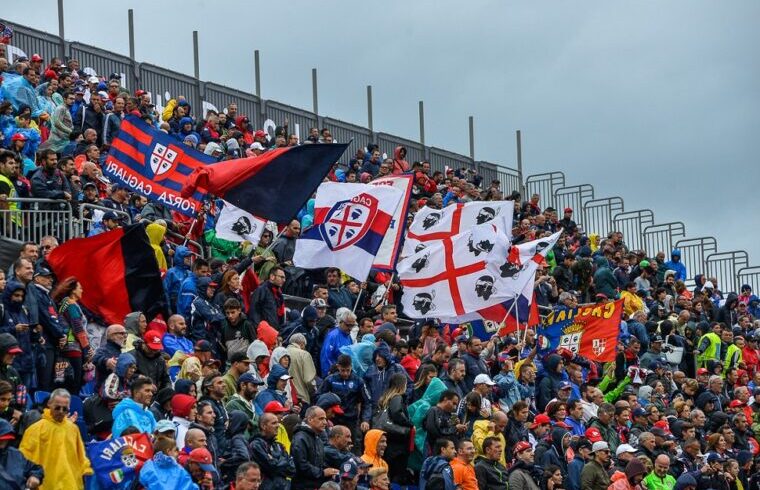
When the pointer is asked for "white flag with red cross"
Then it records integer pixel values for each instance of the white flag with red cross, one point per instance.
(455, 275)
(432, 225)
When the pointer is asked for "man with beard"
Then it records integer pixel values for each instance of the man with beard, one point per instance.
(174, 339)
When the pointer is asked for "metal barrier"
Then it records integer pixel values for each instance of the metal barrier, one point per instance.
(165, 85)
(87, 213)
(725, 267)
(34, 222)
(33, 41)
(509, 178)
(415, 152)
(662, 237)
(344, 132)
(194, 247)
(96, 61)
(751, 276)
(598, 214)
(440, 159)
(694, 252)
(575, 197)
(218, 97)
(299, 120)
(544, 185)
(632, 224)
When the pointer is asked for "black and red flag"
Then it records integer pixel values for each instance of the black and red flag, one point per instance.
(274, 185)
(117, 270)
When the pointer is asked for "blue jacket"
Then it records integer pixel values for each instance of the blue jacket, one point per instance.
(377, 380)
(17, 467)
(473, 366)
(574, 469)
(47, 315)
(186, 295)
(164, 473)
(176, 275)
(205, 317)
(106, 351)
(172, 344)
(129, 413)
(510, 391)
(352, 392)
(334, 340)
(271, 394)
(577, 428)
(437, 465)
(675, 264)
(340, 297)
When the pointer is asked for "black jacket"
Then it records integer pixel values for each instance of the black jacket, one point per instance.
(491, 475)
(46, 315)
(438, 424)
(276, 464)
(334, 458)
(106, 351)
(264, 305)
(220, 423)
(152, 367)
(308, 452)
(16, 468)
(237, 451)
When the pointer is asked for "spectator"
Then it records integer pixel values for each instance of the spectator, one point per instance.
(492, 474)
(266, 303)
(277, 465)
(214, 393)
(135, 411)
(594, 475)
(436, 470)
(378, 376)
(462, 468)
(338, 448)
(308, 451)
(336, 338)
(68, 464)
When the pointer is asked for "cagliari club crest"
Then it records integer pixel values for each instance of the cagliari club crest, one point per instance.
(348, 221)
(162, 159)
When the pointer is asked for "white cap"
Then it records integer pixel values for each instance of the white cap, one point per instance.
(286, 376)
(624, 448)
(257, 146)
(483, 378)
(600, 446)
(93, 79)
(708, 285)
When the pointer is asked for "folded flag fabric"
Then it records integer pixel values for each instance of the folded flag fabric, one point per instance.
(386, 257)
(436, 224)
(274, 185)
(155, 165)
(590, 330)
(237, 225)
(130, 279)
(350, 222)
(116, 462)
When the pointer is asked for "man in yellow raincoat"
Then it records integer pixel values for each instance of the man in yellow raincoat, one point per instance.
(54, 443)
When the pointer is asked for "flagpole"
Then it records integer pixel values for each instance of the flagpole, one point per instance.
(504, 320)
(388, 289)
(358, 296)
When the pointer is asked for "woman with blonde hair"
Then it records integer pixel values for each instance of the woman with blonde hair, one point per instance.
(378, 479)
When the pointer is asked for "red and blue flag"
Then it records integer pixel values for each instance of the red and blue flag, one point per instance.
(155, 165)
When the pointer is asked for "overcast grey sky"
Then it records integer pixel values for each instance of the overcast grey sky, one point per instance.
(657, 102)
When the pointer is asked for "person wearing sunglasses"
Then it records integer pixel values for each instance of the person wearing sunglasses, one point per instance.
(68, 464)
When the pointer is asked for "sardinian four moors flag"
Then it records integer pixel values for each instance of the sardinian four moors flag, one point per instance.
(155, 165)
(436, 224)
(350, 222)
(237, 225)
(118, 272)
(454, 276)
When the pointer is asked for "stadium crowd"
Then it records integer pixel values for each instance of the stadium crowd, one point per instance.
(242, 391)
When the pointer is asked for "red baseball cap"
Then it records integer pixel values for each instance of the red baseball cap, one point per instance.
(702, 371)
(593, 434)
(663, 424)
(259, 134)
(337, 410)
(736, 404)
(275, 407)
(202, 456)
(36, 57)
(153, 340)
(568, 210)
(522, 446)
(541, 419)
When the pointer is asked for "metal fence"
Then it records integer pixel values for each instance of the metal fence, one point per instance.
(95, 61)
(415, 152)
(725, 267)
(662, 237)
(218, 97)
(598, 214)
(694, 252)
(751, 276)
(574, 197)
(632, 224)
(544, 185)
(165, 85)
(344, 132)
(37, 218)
(299, 121)
(440, 159)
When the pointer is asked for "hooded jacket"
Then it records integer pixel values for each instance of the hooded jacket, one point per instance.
(400, 165)
(271, 393)
(377, 380)
(275, 462)
(370, 456)
(480, 432)
(237, 451)
(16, 313)
(492, 475)
(153, 367)
(604, 279)
(556, 453)
(727, 313)
(130, 413)
(331, 348)
(308, 452)
(164, 473)
(675, 265)
(621, 480)
(176, 275)
(549, 385)
(353, 393)
(361, 354)
(206, 317)
(417, 414)
(436, 467)
(65, 466)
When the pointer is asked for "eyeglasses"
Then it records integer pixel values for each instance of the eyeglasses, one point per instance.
(59, 409)
(120, 333)
(279, 277)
